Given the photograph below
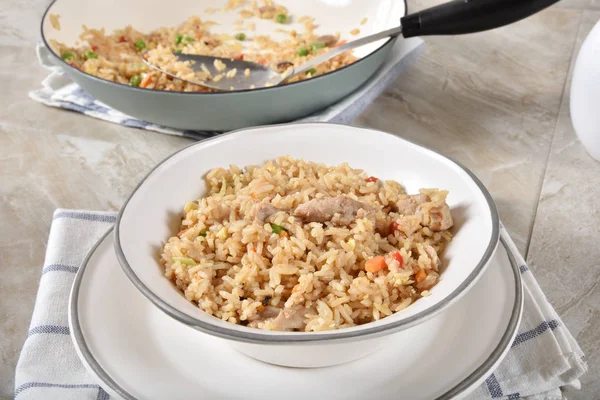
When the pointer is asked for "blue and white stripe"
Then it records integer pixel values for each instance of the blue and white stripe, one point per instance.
(49, 367)
(543, 344)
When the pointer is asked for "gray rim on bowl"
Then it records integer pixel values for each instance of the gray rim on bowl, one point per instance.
(234, 92)
(462, 386)
(252, 335)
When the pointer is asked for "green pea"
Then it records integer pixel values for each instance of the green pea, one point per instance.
(277, 229)
(135, 80)
(90, 54)
(281, 18)
(240, 36)
(302, 51)
(188, 39)
(203, 234)
(317, 46)
(140, 45)
(178, 39)
(311, 71)
(67, 56)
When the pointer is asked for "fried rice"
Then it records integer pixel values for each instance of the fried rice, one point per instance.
(298, 246)
(117, 56)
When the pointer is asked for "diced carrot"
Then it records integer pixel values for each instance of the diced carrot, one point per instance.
(198, 35)
(283, 234)
(341, 42)
(420, 276)
(371, 179)
(122, 39)
(240, 57)
(146, 56)
(375, 264)
(253, 195)
(181, 232)
(94, 48)
(262, 61)
(396, 256)
(146, 81)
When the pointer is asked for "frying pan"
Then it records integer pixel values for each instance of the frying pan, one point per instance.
(231, 110)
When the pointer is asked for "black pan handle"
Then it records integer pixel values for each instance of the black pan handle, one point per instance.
(468, 16)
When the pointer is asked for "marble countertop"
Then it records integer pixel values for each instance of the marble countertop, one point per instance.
(498, 102)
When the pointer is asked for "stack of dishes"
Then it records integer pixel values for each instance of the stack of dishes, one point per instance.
(300, 262)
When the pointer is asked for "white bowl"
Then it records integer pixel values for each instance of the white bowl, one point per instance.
(152, 214)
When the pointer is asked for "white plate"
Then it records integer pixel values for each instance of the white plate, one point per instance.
(136, 351)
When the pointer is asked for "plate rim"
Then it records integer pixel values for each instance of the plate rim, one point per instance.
(461, 389)
(299, 338)
(66, 67)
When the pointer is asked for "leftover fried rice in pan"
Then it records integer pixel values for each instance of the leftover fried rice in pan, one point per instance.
(117, 56)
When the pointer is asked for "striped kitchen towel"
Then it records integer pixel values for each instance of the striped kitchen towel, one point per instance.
(544, 356)
(59, 91)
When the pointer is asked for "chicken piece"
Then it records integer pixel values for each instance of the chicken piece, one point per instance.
(340, 210)
(436, 218)
(408, 205)
(327, 40)
(290, 319)
(264, 209)
(285, 319)
(284, 65)
(270, 312)
(433, 256)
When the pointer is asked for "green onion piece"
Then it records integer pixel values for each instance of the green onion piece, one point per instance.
(140, 45)
(90, 54)
(184, 260)
(188, 39)
(67, 56)
(317, 46)
(223, 190)
(178, 51)
(135, 80)
(311, 71)
(277, 229)
(203, 233)
(178, 39)
(240, 36)
(302, 51)
(281, 18)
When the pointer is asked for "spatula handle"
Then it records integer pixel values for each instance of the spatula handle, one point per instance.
(468, 16)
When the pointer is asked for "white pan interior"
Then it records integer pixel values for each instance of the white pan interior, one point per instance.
(331, 16)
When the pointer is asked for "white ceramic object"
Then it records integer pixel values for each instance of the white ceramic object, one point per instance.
(585, 94)
(152, 214)
(137, 352)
